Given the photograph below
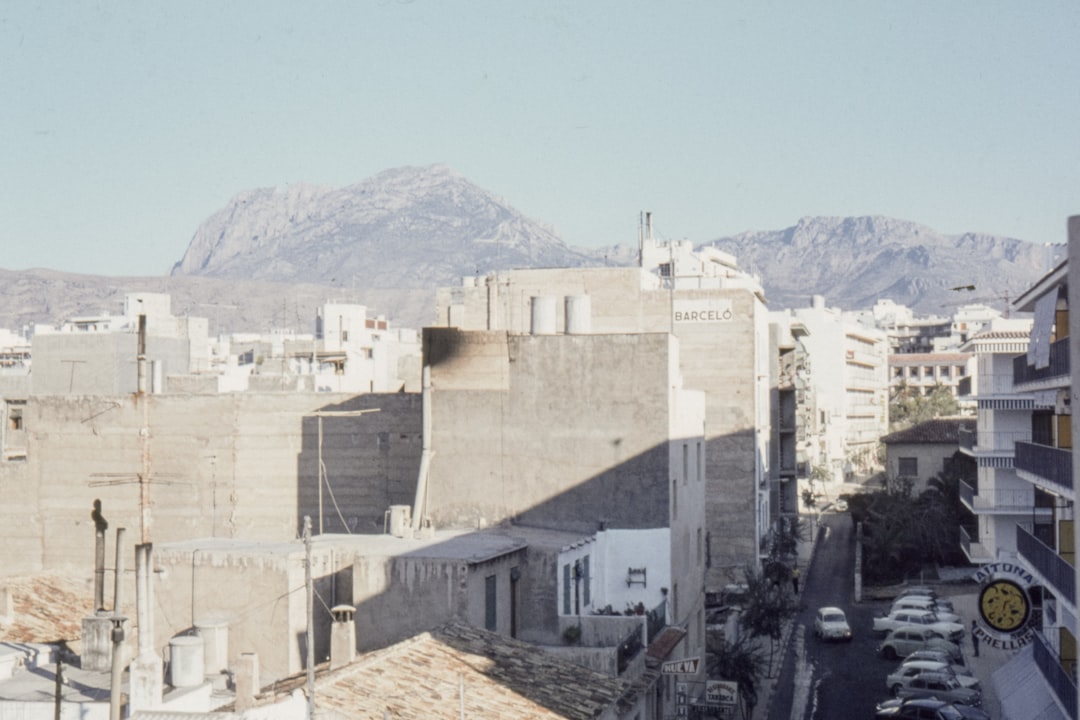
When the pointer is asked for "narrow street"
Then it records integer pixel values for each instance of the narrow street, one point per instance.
(830, 681)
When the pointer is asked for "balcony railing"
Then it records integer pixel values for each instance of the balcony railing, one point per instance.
(1054, 568)
(987, 441)
(1058, 367)
(1016, 500)
(1054, 465)
(1060, 680)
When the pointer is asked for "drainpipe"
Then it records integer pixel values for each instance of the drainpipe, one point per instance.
(420, 503)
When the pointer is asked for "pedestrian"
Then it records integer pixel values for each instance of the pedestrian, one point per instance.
(795, 579)
(974, 639)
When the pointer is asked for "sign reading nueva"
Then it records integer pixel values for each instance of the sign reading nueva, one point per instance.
(686, 666)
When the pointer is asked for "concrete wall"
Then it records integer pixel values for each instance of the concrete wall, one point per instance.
(433, 589)
(241, 465)
(551, 431)
(723, 355)
(100, 363)
(931, 459)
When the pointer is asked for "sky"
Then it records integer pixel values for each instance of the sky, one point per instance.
(125, 124)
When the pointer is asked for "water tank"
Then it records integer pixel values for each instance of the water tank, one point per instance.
(400, 520)
(543, 315)
(186, 661)
(578, 315)
(215, 637)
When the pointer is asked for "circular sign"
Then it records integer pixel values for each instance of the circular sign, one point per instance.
(1004, 605)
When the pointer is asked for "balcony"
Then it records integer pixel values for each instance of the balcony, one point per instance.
(975, 551)
(986, 442)
(1045, 465)
(1060, 680)
(1058, 370)
(1054, 569)
(1005, 502)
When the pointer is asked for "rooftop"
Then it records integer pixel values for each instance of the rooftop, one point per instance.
(940, 430)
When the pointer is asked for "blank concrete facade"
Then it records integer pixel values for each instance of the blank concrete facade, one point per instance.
(722, 329)
(177, 467)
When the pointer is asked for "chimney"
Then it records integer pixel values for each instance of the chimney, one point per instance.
(342, 636)
(247, 680)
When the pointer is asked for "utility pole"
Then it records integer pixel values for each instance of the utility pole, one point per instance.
(310, 619)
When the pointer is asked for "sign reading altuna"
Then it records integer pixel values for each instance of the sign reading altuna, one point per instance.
(705, 310)
(1004, 605)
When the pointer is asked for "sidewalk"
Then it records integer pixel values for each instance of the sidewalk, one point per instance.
(989, 659)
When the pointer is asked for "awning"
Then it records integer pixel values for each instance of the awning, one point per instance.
(1022, 690)
(663, 644)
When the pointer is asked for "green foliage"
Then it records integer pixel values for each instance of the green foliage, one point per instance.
(741, 661)
(903, 532)
(809, 499)
(908, 406)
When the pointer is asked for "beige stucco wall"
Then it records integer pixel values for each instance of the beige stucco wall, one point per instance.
(242, 465)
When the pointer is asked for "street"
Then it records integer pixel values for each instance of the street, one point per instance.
(831, 681)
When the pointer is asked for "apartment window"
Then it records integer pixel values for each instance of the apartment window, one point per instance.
(928, 372)
(898, 372)
(489, 602)
(674, 498)
(961, 371)
(700, 464)
(585, 597)
(945, 371)
(685, 463)
(15, 418)
(909, 467)
(665, 269)
(566, 589)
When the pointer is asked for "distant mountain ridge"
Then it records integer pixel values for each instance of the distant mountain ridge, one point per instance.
(270, 256)
(853, 261)
(403, 228)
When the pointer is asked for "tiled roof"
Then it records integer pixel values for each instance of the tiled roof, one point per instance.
(928, 358)
(430, 675)
(941, 430)
(46, 608)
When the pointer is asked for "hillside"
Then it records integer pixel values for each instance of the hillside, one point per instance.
(271, 256)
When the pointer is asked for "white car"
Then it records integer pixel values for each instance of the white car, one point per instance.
(912, 668)
(830, 623)
(924, 618)
(942, 608)
(906, 640)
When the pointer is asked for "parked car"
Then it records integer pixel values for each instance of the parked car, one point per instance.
(830, 623)
(899, 618)
(924, 590)
(906, 640)
(910, 669)
(958, 665)
(943, 608)
(926, 709)
(940, 686)
(841, 505)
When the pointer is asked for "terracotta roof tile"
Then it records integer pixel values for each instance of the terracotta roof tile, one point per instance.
(941, 430)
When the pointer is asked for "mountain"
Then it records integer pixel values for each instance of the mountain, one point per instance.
(270, 257)
(403, 228)
(853, 261)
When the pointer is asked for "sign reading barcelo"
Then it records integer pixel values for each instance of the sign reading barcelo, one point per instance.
(710, 310)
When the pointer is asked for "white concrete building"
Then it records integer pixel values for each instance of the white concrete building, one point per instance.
(848, 370)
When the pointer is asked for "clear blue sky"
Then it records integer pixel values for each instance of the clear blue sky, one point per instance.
(123, 125)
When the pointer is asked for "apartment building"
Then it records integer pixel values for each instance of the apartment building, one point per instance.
(1026, 512)
(999, 500)
(716, 313)
(848, 370)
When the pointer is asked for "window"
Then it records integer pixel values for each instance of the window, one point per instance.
(700, 548)
(909, 467)
(674, 498)
(685, 463)
(566, 589)
(585, 597)
(700, 465)
(489, 602)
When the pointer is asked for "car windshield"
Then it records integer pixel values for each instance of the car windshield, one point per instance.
(834, 618)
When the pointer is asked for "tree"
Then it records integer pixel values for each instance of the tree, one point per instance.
(909, 406)
(740, 661)
(768, 606)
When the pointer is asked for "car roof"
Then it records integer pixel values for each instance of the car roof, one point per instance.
(829, 609)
